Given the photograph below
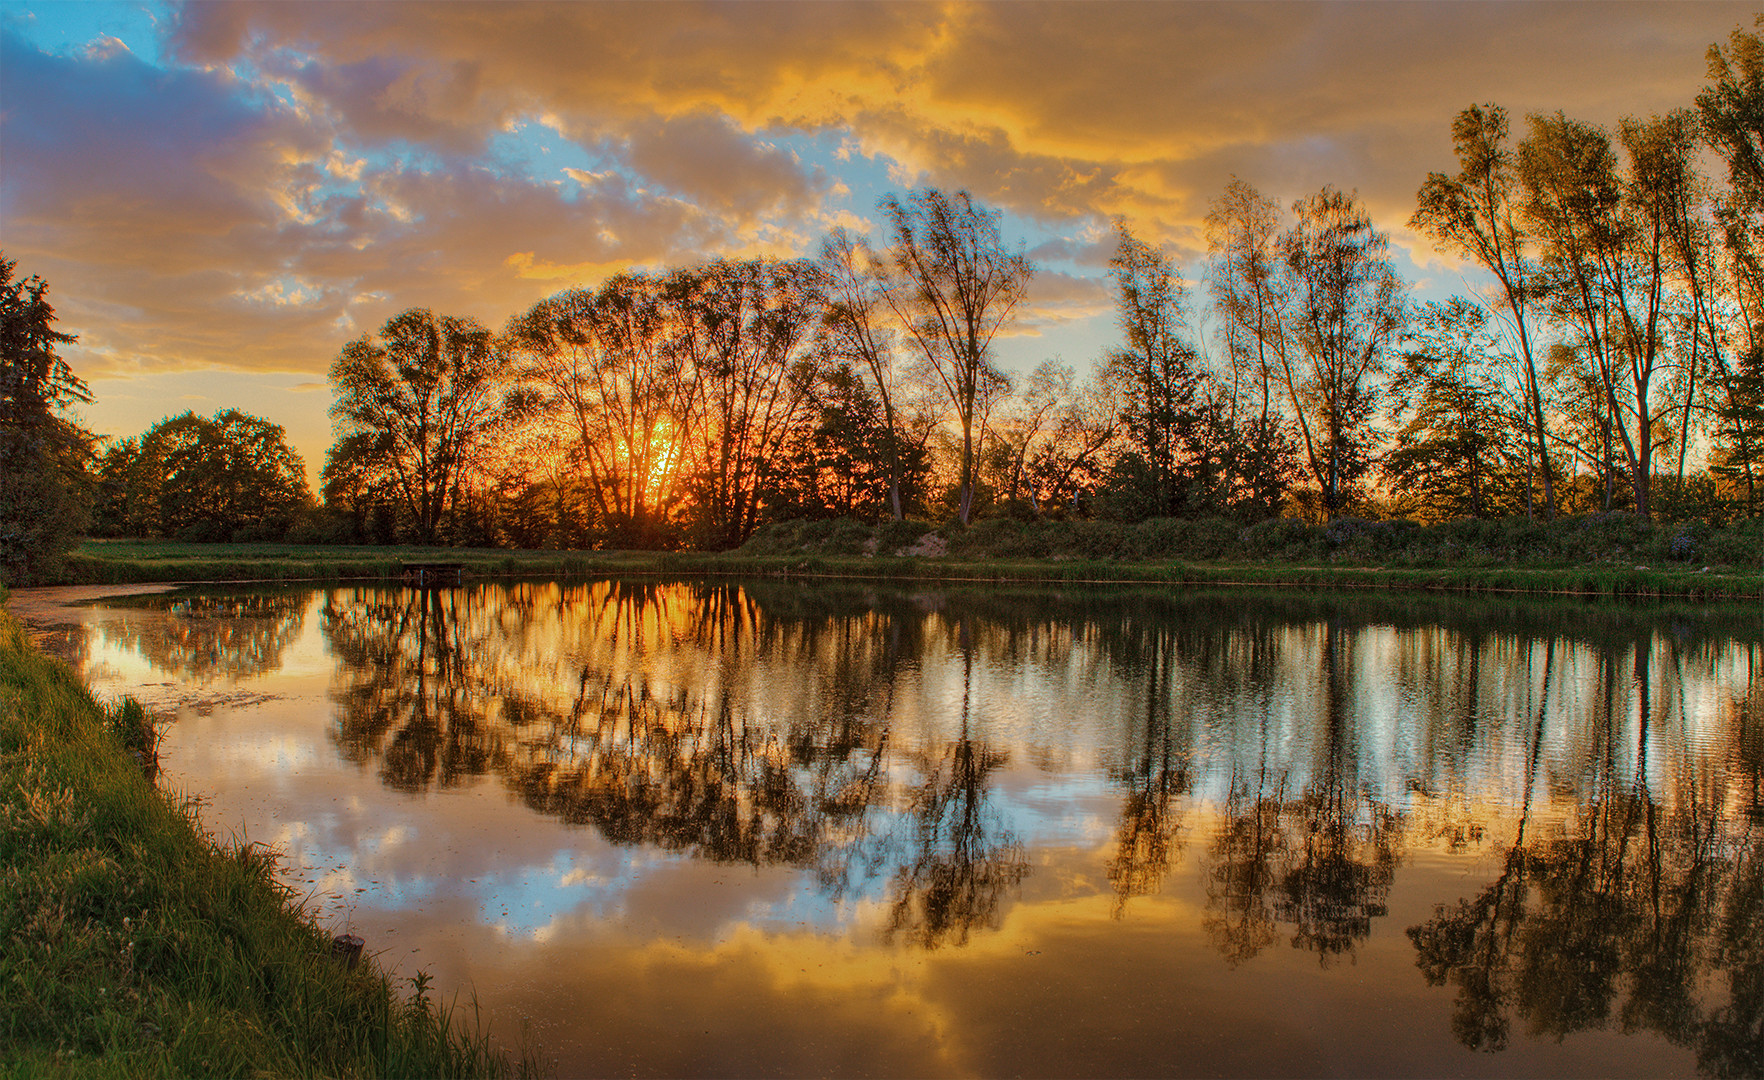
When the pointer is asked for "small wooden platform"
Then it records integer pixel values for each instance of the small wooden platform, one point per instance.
(433, 573)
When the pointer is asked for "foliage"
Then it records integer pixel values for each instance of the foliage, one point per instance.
(855, 333)
(232, 476)
(1456, 452)
(1261, 442)
(851, 465)
(1172, 459)
(43, 455)
(1476, 213)
(1618, 539)
(1347, 313)
(414, 413)
(745, 329)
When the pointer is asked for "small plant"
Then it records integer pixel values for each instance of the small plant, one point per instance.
(138, 732)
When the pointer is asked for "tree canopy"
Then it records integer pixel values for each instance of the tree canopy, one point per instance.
(43, 453)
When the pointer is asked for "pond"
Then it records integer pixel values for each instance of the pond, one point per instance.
(791, 828)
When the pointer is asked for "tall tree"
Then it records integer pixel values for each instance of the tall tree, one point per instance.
(1250, 298)
(1606, 237)
(959, 287)
(607, 361)
(1453, 452)
(1476, 214)
(43, 454)
(421, 402)
(851, 464)
(745, 328)
(858, 333)
(1080, 441)
(1160, 377)
(1347, 311)
(1731, 114)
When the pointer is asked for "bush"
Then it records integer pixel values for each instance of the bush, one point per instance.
(891, 535)
(205, 532)
(1739, 544)
(1281, 538)
(1615, 534)
(1359, 538)
(1611, 538)
(1172, 538)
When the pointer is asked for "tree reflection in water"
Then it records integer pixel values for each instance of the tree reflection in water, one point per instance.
(427, 700)
(410, 699)
(1156, 779)
(233, 637)
(1633, 911)
(852, 734)
(1336, 871)
(962, 860)
(1322, 861)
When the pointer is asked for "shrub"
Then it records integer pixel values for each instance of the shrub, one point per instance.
(1281, 538)
(892, 535)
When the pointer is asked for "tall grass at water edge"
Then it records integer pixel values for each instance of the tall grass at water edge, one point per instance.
(134, 944)
(1595, 554)
(1600, 554)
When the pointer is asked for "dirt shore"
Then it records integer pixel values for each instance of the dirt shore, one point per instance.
(45, 614)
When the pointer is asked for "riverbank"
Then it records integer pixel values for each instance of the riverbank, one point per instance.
(1610, 555)
(133, 943)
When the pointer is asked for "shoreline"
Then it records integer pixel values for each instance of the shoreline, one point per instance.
(137, 566)
(135, 942)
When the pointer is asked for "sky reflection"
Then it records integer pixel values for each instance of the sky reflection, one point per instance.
(850, 829)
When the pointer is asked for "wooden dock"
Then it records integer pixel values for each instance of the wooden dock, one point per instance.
(427, 574)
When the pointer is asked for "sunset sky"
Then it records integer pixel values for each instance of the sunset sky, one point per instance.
(221, 195)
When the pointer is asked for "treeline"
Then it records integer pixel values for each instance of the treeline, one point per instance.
(1613, 362)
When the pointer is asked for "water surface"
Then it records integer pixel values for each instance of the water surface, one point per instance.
(786, 829)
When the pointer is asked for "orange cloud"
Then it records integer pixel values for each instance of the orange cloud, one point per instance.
(315, 168)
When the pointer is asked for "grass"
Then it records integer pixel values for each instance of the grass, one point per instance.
(1594, 555)
(133, 944)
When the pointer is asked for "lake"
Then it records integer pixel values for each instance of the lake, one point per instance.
(754, 828)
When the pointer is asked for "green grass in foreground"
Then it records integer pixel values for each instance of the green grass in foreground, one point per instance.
(133, 944)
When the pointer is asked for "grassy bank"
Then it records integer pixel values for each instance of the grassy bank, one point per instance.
(1599, 555)
(132, 944)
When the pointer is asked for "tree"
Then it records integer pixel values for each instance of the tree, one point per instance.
(1029, 426)
(1080, 442)
(958, 287)
(1453, 443)
(1158, 371)
(1243, 274)
(43, 455)
(418, 405)
(745, 329)
(1347, 310)
(851, 464)
(1606, 236)
(359, 491)
(1476, 214)
(607, 362)
(1739, 427)
(1731, 114)
(856, 284)
(230, 477)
